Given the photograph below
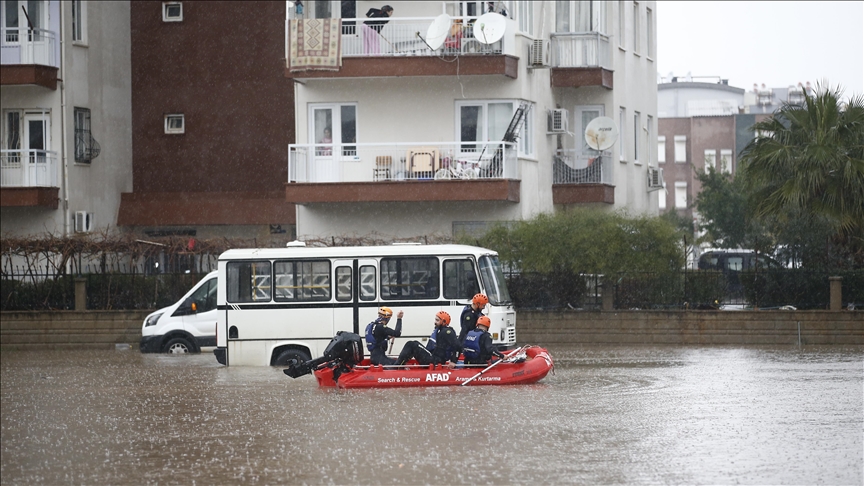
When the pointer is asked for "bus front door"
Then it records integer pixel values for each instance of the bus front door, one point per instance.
(356, 294)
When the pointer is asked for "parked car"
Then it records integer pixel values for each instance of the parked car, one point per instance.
(186, 326)
(731, 263)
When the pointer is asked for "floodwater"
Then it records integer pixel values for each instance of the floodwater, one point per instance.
(622, 415)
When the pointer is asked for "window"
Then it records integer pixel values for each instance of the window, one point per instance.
(661, 149)
(83, 138)
(582, 16)
(622, 25)
(525, 16)
(205, 297)
(726, 161)
(334, 126)
(79, 27)
(710, 159)
(649, 28)
(480, 121)
(526, 134)
(661, 199)
(681, 195)
(343, 284)
(637, 130)
(680, 148)
(460, 279)
(650, 126)
(636, 25)
(302, 281)
(622, 144)
(12, 131)
(409, 278)
(367, 282)
(175, 124)
(173, 11)
(248, 281)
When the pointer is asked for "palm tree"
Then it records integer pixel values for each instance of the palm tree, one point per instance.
(810, 160)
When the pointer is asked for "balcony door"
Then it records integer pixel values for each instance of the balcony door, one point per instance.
(19, 16)
(36, 147)
(333, 134)
(584, 115)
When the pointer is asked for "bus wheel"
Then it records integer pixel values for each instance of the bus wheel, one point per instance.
(286, 356)
(178, 346)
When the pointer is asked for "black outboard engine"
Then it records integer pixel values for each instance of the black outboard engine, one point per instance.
(345, 348)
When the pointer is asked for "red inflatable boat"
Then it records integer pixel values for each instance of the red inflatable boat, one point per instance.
(527, 364)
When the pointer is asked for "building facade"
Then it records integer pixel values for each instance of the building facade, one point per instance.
(65, 92)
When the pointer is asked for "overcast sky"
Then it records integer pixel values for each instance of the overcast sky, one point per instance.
(776, 43)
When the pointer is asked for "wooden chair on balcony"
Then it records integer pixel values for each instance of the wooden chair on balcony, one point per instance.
(383, 167)
(422, 162)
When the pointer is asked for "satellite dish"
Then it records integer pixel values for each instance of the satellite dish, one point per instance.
(438, 31)
(601, 133)
(489, 28)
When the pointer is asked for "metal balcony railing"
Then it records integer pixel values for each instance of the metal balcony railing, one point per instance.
(370, 162)
(568, 167)
(22, 45)
(28, 168)
(580, 49)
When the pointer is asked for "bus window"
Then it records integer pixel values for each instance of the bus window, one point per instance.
(299, 281)
(367, 282)
(493, 280)
(248, 281)
(409, 278)
(460, 279)
(343, 284)
(735, 263)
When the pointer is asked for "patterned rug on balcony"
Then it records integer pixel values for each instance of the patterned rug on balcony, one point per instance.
(315, 44)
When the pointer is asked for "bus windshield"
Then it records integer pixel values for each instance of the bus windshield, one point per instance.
(493, 280)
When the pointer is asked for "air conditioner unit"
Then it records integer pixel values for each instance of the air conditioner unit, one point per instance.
(557, 121)
(655, 178)
(538, 53)
(83, 222)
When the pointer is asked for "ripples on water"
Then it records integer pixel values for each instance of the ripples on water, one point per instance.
(630, 415)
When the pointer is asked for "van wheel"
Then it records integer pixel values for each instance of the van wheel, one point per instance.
(286, 356)
(178, 346)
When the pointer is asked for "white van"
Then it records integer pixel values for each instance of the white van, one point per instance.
(186, 326)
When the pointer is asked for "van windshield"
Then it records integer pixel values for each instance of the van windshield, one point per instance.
(493, 280)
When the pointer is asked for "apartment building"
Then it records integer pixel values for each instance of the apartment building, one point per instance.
(401, 135)
(65, 150)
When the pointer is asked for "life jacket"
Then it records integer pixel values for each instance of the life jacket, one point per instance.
(431, 344)
(472, 344)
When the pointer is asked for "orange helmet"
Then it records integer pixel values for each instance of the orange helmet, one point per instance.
(480, 299)
(385, 312)
(484, 321)
(445, 317)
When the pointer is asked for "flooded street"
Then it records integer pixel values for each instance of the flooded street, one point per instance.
(632, 415)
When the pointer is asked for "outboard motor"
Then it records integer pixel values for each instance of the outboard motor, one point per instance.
(346, 348)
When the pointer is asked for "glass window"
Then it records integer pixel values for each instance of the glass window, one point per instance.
(649, 24)
(681, 195)
(493, 280)
(205, 297)
(172, 11)
(77, 21)
(409, 278)
(726, 161)
(460, 279)
(83, 138)
(367, 282)
(525, 16)
(622, 25)
(680, 148)
(622, 144)
(343, 284)
(637, 129)
(301, 281)
(636, 32)
(482, 121)
(661, 149)
(710, 158)
(334, 127)
(581, 16)
(175, 124)
(661, 195)
(650, 134)
(248, 281)
(734, 263)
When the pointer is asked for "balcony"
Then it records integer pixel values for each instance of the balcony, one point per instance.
(400, 50)
(452, 171)
(579, 179)
(581, 59)
(28, 178)
(28, 57)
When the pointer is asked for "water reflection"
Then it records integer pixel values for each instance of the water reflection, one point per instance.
(607, 415)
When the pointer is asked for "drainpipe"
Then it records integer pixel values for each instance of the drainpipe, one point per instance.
(63, 141)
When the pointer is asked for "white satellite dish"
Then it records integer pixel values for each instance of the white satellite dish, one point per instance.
(489, 28)
(601, 133)
(438, 31)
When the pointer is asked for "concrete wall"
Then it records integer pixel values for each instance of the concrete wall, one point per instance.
(95, 329)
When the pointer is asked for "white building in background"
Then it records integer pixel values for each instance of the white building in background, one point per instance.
(400, 140)
(65, 92)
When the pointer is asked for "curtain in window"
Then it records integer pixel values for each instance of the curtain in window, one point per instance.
(562, 16)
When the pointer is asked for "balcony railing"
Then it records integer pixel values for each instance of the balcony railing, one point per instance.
(404, 36)
(568, 167)
(401, 161)
(580, 50)
(28, 168)
(22, 45)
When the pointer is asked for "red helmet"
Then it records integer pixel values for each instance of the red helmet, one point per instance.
(480, 299)
(484, 321)
(445, 317)
(385, 312)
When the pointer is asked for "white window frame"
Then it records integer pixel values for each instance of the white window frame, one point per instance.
(165, 8)
(622, 137)
(584, 153)
(661, 149)
(680, 190)
(525, 16)
(622, 25)
(680, 149)
(525, 144)
(636, 29)
(649, 30)
(649, 125)
(79, 23)
(725, 161)
(597, 12)
(171, 127)
(710, 159)
(661, 199)
(339, 147)
(484, 136)
(637, 130)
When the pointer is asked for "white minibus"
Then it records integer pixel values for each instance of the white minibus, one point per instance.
(278, 304)
(185, 326)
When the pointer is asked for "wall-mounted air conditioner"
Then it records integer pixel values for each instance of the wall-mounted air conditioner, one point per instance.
(539, 53)
(655, 178)
(83, 222)
(557, 121)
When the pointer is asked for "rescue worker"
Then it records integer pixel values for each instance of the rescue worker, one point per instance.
(470, 314)
(383, 334)
(447, 346)
(478, 344)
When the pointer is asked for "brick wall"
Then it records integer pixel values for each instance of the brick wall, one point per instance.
(60, 329)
